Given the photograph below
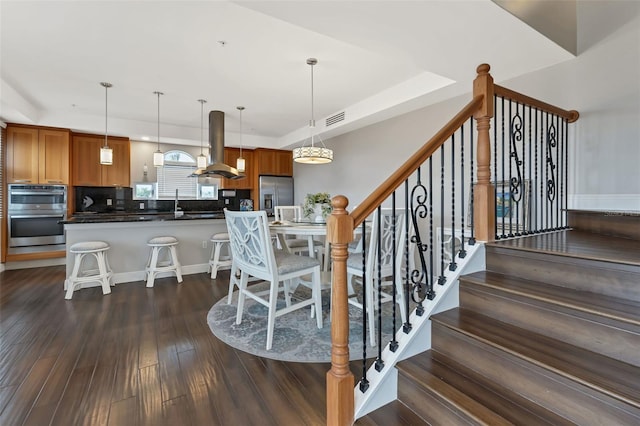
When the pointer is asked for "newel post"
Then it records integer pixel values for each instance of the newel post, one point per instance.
(484, 193)
(340, 382)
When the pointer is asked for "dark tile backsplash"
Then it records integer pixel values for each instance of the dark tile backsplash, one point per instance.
(114, 200)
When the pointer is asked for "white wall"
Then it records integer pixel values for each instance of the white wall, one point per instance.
(602, 83)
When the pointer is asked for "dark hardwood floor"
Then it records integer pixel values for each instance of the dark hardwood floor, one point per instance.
(137, 357)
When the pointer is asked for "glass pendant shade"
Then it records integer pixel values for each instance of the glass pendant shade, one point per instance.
(106, 156)
(240, 164)
(201, 161)
(158, 159)
(312, 154)
(106, 153)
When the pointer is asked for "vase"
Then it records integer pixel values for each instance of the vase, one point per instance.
(317, 213)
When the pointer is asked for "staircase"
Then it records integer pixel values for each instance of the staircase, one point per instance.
(548, 334)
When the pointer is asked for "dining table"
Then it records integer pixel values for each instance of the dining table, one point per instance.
(302, 229)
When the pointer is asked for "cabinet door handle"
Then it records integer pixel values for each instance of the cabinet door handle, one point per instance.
(54, 181)
(22, 180)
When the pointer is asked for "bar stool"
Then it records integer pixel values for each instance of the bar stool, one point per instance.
(156, 264)
(102, 274)
(216, 261)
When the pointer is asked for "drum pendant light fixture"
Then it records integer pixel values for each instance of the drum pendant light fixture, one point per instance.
(201, 160)
(313, 154)
(240, 163)
(158, 156)
(106, 153)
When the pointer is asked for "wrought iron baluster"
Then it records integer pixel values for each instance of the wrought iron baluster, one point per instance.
(502, 117)
(472, 239)
(419, 278)
(441, 278)
(406, 327)
(393, 345)
(551, 168)
(462, 252)
(515, 182)
(379, 364)
(364, 382)
(566, 172)
(452, 264)
(541, 197)
(527, 211)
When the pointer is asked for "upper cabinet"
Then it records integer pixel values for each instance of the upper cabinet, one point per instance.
(87, 170)
(274, 162)
(231, 156)
(37, 155)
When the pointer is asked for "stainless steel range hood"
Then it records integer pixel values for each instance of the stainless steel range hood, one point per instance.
(216, 165)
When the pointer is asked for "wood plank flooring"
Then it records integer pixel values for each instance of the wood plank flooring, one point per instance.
(137, 357)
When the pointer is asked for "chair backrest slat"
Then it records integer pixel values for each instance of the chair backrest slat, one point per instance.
(292, 213)
(250, 243)
(386, 239)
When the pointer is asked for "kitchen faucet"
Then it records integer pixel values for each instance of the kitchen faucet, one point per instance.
(176, 210)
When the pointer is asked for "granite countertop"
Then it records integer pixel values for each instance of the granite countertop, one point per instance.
(141, 217)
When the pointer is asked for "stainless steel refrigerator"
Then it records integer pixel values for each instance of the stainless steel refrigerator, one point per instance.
(275, 191)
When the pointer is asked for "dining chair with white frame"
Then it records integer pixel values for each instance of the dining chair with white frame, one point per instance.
(296, 244)
(254, 255)
(389, 225)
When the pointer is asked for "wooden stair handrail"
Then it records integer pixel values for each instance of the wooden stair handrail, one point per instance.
(570, 116)
(385, 189)
(341, 224)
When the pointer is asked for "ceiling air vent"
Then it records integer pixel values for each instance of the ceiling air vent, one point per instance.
(335, 119)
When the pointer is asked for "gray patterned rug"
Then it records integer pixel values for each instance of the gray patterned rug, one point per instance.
(296, 337)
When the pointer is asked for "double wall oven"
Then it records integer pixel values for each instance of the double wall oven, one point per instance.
(34, 213)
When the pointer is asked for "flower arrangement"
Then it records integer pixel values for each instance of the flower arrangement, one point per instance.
(321, 199)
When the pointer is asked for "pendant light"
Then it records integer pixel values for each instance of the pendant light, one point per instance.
(201, 160)
(106, 153)
(313, 154)
(158, 156)
(240, 163)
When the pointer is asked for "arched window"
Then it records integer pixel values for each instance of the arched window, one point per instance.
(178, 165)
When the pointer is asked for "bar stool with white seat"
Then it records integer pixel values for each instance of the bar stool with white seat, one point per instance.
(217, 261)
(103, 273)
(158, 265)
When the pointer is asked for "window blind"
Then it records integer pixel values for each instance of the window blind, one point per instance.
(172, 177)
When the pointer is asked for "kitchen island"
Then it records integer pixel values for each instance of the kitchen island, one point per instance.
(127, 234)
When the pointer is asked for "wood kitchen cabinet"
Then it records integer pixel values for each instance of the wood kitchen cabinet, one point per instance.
(37, 155)
(274, 162)
(87, 170)
(231, 155)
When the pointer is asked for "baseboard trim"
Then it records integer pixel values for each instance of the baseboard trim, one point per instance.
(608, 202)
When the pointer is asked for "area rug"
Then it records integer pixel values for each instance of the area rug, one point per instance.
(296, 337)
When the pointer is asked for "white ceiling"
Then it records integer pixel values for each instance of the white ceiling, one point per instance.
(376, 59)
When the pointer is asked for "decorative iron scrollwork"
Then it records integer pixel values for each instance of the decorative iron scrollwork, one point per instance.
(552, 142)
(516, 135)
(420, 288)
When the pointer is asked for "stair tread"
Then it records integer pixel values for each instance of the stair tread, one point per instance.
(456, 384)
(612, 307)
(612, 377)
(580, 244)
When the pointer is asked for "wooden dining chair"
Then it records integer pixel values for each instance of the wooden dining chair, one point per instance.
(253, 255)
(355, 269)
(296, 244)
